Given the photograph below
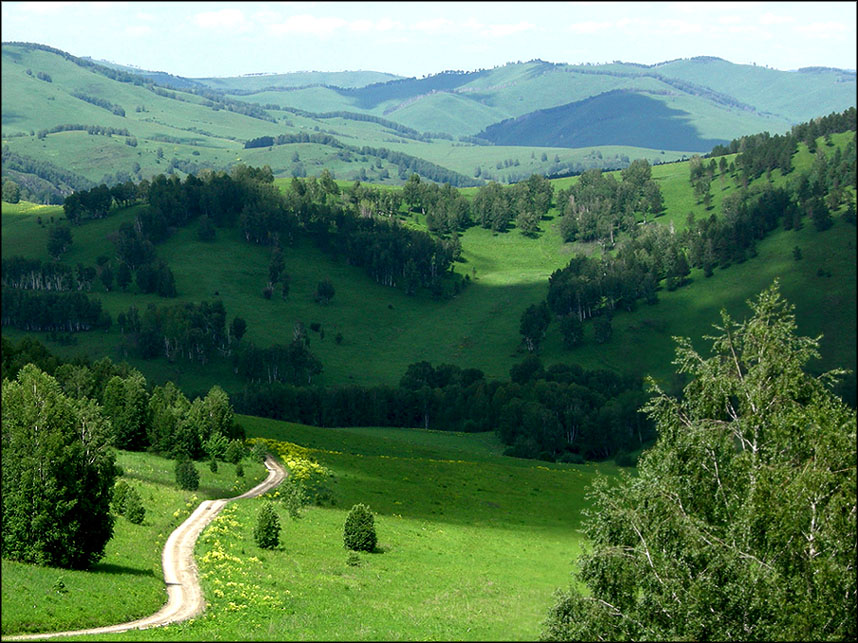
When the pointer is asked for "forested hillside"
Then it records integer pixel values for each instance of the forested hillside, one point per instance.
(533, 300)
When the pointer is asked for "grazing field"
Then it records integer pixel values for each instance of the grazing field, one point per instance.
(44, 599)
(471, 545)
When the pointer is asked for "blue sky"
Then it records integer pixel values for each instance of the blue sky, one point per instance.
(200, 39)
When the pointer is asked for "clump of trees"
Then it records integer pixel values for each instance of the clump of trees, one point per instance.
(740, 524)
(58, 474)
(598, 207)
(554, 414)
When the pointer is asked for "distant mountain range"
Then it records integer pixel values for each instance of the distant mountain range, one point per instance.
(501, 123)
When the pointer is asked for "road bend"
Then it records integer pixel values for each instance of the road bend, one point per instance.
(184, 593)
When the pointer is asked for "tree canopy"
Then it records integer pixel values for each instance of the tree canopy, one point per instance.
(741, 522)
(58, 474)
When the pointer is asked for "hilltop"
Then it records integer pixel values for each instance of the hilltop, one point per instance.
(71, 123)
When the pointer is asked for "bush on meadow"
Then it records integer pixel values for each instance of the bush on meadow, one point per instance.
(267, 531)
(359, 529)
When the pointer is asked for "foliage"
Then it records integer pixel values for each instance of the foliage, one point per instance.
(267, 530)
(134, 510)
(187, 476)
(741, 522)
(235, 451)
(58, 474)
(258, 451)
(120, 492)
(359, 529)
(534, 323)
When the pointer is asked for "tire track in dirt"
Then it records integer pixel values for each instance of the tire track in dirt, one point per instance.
(184, 594)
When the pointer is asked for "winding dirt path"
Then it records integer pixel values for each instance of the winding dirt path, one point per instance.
(184, 594)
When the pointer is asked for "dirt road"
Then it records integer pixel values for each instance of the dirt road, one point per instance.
(184, 594)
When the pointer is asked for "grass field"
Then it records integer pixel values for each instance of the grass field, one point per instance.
(33, 600)
(471, 544)
(384, 330)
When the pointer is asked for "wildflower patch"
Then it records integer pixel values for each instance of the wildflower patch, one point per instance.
(226, 573)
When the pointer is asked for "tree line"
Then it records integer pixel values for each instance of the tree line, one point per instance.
(406, 163)
(159, 418)
(561, 413)
(35, 310)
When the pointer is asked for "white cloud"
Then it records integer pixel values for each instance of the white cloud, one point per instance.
(225, 18)
(307, 24)
(769, 18)
(679, 27)
(386, 24)
(362, 25)
(590, 27)
(434, 26)
(138, 30)
(822, 29)
(730, 20)
(499, 31)
(710, 7)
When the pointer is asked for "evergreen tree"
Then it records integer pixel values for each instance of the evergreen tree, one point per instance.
(187, 476)
(134, 510)
(359, 529)
(267, 530)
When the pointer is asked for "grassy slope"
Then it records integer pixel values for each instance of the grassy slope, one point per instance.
(215, 138)
(131, 567)
(384, 330)
(769, 89)
(471, 545)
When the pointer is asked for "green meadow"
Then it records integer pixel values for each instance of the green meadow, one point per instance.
(384, 330)
(471, 544)
(44, 599)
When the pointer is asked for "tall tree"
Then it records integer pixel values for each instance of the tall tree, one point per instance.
(534, 323)
(741, 522)
(58, 474)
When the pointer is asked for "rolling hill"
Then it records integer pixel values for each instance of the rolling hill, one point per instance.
(69, 123)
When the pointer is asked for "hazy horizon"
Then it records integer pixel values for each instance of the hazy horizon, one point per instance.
(413, 39)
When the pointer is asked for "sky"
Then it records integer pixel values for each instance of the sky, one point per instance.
(206, 39)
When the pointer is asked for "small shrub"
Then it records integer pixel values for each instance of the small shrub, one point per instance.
(187, 476)
(120, 491)
(213, 465)
(134, 510)
(295, 498)
(235, 451)
(572, 458)
(258, 452)
(239, 470)
(359, 529)
(353, 559)
(59, 586)
(267, 531)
